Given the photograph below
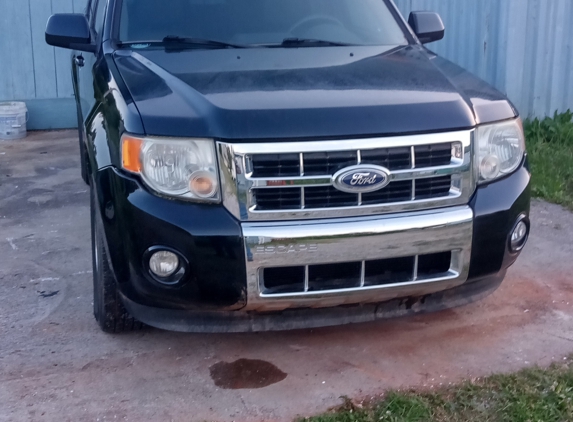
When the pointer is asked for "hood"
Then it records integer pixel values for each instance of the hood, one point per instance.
(293, 93)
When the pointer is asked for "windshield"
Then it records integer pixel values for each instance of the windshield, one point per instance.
(260, 22)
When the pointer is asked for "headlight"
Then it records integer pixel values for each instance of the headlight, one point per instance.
(182, 168)
(499, 149)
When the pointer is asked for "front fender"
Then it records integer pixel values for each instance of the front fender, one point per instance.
(113, 114)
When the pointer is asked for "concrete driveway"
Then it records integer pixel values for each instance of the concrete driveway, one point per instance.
(55, 364)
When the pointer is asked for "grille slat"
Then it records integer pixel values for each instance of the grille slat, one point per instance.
(394, 192)
(328, 197)
(355, 275)
(433, 188)
(334, 276)
(391, 158)
(277, 199)
(433, 155)
(328, 163)
(275, 165)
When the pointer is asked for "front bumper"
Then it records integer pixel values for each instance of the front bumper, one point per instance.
(225, 256)
(360, 240)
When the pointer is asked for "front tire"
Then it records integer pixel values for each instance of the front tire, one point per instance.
(109, 312)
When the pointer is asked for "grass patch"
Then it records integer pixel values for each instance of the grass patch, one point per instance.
(550, 148)
(531, 395)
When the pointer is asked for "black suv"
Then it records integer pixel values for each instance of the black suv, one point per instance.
(278, 164)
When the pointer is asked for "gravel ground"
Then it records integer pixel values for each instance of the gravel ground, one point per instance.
(56, 365)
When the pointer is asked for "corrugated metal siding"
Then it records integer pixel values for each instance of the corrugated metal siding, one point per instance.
(32, 71)
(29, 68)
(523, 47)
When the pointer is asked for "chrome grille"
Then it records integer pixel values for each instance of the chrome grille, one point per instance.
(294, 180)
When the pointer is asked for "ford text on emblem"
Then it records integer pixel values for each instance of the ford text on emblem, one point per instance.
(361, 179)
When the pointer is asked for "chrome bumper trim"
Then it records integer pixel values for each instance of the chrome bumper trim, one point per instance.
(282, 244)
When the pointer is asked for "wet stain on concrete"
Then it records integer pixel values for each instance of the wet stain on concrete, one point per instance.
(45, 294)
(245, 373)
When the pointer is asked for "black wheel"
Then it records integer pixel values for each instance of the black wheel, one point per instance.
(109, 312)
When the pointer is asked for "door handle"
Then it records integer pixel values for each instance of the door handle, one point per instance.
(79, 61)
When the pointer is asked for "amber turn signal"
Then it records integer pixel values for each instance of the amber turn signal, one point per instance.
(131, 153)
(203, 184)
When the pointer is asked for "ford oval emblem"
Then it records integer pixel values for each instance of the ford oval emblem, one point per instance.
(361, 179)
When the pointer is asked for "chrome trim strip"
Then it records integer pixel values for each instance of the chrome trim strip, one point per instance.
(237, 181)
(428, 172)
(305, 243)
(351, 144)
(276, 182)
(363, 210)
(362, 273)
(413, 166)
(358, 161)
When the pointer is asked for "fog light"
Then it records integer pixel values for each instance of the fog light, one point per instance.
(518, 236)
(163, 263)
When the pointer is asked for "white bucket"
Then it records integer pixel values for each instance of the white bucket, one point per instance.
(13, 118)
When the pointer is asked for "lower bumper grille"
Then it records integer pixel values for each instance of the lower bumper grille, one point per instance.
(355, 275)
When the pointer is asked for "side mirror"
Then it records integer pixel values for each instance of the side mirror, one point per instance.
(69, 30)
(427, 26)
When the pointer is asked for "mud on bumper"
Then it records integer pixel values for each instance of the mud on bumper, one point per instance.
(232, 322)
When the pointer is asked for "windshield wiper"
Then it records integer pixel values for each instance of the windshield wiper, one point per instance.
(309, 42)
(200, 42)
(173, 42)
